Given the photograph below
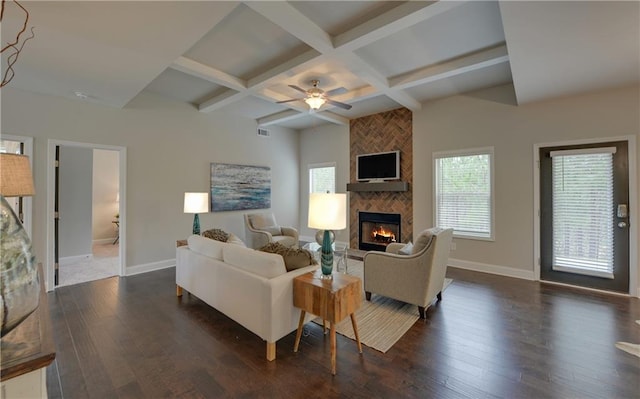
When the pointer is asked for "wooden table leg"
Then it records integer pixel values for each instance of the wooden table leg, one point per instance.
(333, 348)
(355, 331)
(299, 333)
(178, 290)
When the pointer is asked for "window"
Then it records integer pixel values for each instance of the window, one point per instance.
(322, 178)
(463, 192)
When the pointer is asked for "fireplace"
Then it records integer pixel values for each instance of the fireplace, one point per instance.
(376, 230)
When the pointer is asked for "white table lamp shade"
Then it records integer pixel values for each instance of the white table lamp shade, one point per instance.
(196, 202)
(328, 211)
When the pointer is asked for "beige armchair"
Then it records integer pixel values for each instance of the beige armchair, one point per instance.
(416, 278)
(262, 229)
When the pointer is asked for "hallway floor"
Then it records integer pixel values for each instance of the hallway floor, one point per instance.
(104, 263)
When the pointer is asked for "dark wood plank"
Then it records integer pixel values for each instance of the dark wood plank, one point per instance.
(489, 337)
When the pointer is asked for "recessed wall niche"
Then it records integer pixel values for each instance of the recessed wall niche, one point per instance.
(386, 131)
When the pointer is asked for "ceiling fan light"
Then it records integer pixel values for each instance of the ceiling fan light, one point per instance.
(314, 102)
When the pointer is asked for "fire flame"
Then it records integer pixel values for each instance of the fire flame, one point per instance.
(382, 233)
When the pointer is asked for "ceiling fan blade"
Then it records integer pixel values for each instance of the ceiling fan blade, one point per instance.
(298, 88)
(288, 101)
(339, 104)
(336, 91)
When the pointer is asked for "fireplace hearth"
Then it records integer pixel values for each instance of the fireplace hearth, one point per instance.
(377, 230)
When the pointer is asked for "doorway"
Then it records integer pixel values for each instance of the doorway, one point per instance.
(584, 225)
(86, 213)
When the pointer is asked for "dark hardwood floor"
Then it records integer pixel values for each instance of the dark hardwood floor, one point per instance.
(490, 337)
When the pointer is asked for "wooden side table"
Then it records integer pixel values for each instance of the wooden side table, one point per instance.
(333, 300)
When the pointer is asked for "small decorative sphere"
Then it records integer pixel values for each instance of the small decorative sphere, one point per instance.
(320, 236)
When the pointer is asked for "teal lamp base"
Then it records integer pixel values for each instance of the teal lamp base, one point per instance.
(326, 256)
(196, 224)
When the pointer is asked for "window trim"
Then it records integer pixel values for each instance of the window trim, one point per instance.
(434, 187)
(322, 165)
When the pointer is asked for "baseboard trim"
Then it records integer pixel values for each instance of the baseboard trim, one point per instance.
(491, 269)
(150, 267)
(72, 259)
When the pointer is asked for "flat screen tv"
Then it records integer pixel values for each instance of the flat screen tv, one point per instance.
(378, 167)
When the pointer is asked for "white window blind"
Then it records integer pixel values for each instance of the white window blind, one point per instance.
(583, 211)
(464, 193)
(322, 178)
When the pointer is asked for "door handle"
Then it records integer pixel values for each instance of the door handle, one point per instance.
(622, 225)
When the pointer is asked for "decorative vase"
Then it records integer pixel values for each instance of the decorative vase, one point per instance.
(19, 282)
(326, 255)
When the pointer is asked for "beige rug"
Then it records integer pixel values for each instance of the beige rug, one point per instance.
(381, 321)
(628, 347)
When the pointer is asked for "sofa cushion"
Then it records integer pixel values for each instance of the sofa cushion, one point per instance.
(216, 234)
(263, 264)
(234, 239)
(205, 246)
(293, 258)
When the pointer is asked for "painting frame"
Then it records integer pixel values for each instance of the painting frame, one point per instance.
(236, 187)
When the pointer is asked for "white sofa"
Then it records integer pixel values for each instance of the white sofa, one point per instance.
(251, 287)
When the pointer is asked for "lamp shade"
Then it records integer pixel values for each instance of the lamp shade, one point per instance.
(328, 211)
(196, 202)
(15, 176)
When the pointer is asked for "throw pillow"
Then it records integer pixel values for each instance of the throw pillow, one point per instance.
(406, 250)
(293, 258)
(216, 234)
(234, 239)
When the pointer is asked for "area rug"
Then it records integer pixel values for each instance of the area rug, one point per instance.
(381, 321)
(628, 347)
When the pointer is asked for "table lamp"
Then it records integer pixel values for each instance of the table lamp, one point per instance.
(20, 283)
(196, 203)
(327, 212)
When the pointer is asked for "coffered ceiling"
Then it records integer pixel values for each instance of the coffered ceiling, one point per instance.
(241, 57)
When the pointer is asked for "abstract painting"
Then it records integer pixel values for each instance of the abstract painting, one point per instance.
(238, 187)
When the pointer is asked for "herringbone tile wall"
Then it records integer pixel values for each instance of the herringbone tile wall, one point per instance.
(386, 131)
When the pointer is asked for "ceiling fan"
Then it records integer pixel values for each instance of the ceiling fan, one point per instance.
(316, 97)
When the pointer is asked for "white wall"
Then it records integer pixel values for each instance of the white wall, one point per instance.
(75, 192)
(489, 118)
(328, 143)
(169, 148)
(105, 193)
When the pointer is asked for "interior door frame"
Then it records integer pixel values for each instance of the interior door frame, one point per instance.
(122, 186)
(27, 202)
(633, 204)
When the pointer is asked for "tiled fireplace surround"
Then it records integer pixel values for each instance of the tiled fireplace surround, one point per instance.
(386, 131)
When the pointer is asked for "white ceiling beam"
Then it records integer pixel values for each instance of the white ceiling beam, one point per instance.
(279, 117)
(293, 21)
(194, 68)
(380, 82)
(331, 117)
(402, 17)
(478, 60)
(291, 67)
(219, 101)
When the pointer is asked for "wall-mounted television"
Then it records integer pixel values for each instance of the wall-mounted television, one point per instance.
(378, 167)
